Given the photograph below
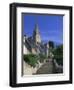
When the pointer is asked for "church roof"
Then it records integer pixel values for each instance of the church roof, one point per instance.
(30, 42)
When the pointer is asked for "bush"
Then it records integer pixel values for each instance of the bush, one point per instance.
(59, 59)
(31, 59)
(58, 54)
(42, 57)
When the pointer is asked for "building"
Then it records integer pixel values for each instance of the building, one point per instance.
(34, 45)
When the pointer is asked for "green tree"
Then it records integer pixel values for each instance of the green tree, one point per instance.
(42, 57)
(31, 59)
(58, 54)
(51, 44)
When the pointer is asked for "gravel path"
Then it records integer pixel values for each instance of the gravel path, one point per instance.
(46, 68)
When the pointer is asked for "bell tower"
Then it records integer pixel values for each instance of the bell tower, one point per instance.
(36, 35)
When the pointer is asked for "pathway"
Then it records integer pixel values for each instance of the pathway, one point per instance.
(48, 68)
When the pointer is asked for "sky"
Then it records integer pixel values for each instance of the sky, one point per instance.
(50, 26)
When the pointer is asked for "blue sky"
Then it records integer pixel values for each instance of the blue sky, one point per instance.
(50, 26)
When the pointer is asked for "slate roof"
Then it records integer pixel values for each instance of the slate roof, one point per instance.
(29, 43)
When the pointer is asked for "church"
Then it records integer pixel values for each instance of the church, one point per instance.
(34, 44)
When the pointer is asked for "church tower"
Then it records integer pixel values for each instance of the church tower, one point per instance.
(36, 35)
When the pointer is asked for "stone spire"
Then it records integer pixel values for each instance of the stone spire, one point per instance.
(36, 29)
(36, 35)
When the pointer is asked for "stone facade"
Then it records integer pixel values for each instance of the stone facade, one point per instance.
(34, 43)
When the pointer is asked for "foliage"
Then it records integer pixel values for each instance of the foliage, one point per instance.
(51, 52)
(51, 44)
(42, 57)
(58, 54)
(31, 59)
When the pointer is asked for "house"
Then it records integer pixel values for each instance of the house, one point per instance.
(34, 44)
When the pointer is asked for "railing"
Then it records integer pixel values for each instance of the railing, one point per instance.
(58, 68)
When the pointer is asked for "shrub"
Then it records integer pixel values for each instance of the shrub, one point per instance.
(31, 59)
(42, 57)
(58, 54)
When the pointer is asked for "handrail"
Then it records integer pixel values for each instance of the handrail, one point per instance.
(57, 65)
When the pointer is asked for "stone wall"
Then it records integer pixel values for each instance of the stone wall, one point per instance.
(28, 70)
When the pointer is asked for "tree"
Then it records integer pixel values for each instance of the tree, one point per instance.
(51, 44)
(42, 58)
(58, 54)
(31, 59)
